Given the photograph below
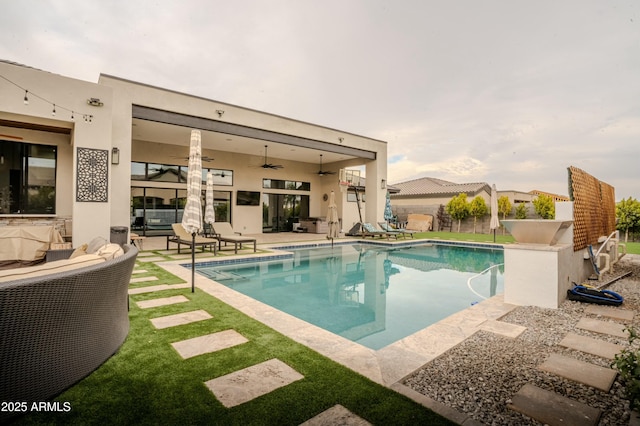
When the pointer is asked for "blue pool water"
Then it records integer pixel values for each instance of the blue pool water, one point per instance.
(373, 295)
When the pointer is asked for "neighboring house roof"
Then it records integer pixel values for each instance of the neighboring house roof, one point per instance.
(363, 181)
(555, 197)
(432, 186)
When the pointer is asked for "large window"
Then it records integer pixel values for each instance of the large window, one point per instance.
(153, 210)
(27, 178)
(171, 173)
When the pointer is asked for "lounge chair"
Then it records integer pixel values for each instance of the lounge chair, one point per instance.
(404, 232)
(368, 230)
(183, 237)
(224, 232)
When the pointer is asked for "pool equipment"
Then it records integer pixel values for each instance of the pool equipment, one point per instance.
(587, 294)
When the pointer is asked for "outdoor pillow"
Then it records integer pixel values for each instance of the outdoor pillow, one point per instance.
(110, 251)
(82, 250)
(95, 244)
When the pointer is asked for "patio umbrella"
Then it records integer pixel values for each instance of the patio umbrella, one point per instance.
(209, 214)
(388, 214)
(495, 223)
(332, 219)
(192, 217)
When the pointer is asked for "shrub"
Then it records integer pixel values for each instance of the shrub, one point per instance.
(627, 362)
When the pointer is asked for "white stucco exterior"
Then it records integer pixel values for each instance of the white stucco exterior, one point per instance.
(120, 122)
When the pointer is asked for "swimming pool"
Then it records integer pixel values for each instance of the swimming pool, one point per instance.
(371, 294)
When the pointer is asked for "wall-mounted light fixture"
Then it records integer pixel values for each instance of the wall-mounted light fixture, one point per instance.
(383, 184)
(94, 102)
(115, 155)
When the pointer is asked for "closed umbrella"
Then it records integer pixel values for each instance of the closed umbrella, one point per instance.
(192, 217)
(388, 213)
(332, 219)
(495, 223)
(209, 214)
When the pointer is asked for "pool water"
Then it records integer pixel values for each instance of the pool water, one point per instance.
(373, 295)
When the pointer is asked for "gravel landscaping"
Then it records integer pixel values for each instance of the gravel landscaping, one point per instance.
(480, 376)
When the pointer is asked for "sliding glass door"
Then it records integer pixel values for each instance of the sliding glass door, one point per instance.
(281, 211)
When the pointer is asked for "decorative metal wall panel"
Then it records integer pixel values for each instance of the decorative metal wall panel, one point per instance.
(92, 177)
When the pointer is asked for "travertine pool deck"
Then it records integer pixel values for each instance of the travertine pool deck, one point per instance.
(385, 366)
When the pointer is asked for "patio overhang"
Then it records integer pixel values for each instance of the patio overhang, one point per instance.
(163, 126)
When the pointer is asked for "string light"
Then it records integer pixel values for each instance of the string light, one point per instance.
(88, 118)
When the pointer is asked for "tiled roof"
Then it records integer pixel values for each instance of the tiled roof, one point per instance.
(432, 186)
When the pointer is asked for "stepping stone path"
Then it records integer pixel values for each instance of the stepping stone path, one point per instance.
(243, 385)
(579, 371)
(556, 410)
(553, 409)
(180, 319)
(336, 415)
(209, 343)
(153, 303)
(142, 279)
(591, 346)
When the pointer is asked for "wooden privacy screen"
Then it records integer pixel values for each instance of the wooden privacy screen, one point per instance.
(594, 208)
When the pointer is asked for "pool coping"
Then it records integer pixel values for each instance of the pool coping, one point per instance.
(388, 365)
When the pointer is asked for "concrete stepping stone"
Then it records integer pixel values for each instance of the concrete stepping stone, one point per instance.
(138, 271)
(602, 327)
(161, 287)
(209, 343)
(553, 409)
(336, 415)
(244, 385)
(152, 259)
(610, 312)
(579, 371)
(591, 346)
(180, 319)
(163, 301)
(142, 279)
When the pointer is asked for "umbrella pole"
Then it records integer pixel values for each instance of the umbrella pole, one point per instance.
(494, 235)
(193, 262)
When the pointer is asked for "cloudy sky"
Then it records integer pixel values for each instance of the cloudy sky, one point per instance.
(505, 92)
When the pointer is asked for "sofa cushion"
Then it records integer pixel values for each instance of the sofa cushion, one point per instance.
(50, 267)
(95, 244)
(110, 251)
(80, 251)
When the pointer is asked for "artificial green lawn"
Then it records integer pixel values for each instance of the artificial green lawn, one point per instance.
(147, 382)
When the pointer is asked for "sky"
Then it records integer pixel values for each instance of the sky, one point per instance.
(506, 92)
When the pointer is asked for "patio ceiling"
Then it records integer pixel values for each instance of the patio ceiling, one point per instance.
(172, 128)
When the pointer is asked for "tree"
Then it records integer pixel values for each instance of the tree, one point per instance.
(477, 208)
(544, 206)
(504, 208)
(521, 211)
(458, 208)
(628, 215)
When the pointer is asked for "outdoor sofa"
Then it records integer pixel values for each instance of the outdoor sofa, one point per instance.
(59, 326)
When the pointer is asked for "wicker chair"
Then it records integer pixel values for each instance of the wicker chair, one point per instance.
(57, 329)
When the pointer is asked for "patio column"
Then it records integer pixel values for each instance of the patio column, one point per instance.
(376, 175)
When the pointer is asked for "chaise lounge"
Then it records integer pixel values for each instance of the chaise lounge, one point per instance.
(183, 237)
(368, 230)
(400, 231)
(224, 232)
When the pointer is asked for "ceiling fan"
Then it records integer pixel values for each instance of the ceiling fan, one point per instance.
(324, 172)
(269, 165)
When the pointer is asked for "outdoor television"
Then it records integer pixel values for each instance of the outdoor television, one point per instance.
(248, 198)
